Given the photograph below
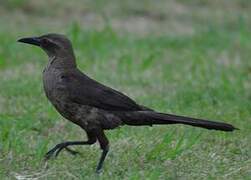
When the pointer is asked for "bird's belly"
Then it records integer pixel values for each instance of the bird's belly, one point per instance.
(85, 116)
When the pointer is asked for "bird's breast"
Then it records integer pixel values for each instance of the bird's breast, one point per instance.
(55, 89)
(50, 81)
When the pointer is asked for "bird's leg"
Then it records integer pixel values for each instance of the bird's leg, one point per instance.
(59, 147)
(104, 145)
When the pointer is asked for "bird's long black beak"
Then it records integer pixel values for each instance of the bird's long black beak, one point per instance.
(31, 40)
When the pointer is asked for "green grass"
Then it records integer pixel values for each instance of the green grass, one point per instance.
(202, 72)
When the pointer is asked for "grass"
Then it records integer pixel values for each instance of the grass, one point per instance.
(177, 64)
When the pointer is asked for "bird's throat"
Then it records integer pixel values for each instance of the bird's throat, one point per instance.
(61, 62)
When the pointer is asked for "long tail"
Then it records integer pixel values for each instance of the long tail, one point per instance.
(138, 118)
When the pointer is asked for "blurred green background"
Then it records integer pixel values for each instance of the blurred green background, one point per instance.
(188, 57)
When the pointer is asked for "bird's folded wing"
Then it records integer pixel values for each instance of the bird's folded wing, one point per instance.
(86, 91)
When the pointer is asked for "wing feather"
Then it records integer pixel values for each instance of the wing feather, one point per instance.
(83, 90)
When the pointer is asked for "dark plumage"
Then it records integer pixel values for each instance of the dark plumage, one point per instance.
(91, 105)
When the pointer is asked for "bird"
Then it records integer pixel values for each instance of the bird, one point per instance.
(93, 106)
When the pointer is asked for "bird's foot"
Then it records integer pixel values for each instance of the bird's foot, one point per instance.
(71, 151)
(54, 152)
(49, 154)
(98, 171)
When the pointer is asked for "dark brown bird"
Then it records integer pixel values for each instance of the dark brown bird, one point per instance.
(93, 106)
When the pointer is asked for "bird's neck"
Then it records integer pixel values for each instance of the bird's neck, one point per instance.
(64, 62)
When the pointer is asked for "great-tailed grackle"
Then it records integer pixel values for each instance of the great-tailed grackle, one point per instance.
(91, 105)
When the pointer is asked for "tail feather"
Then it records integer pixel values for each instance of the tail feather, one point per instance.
(151, 118)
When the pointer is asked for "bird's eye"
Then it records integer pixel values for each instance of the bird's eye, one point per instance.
(45, 42)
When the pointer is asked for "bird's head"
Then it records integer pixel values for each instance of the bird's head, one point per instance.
(53, 44)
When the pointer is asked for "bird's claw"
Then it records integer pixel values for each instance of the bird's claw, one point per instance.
(49, 154)
(71, 151)
(54, 152)
(98, 171)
